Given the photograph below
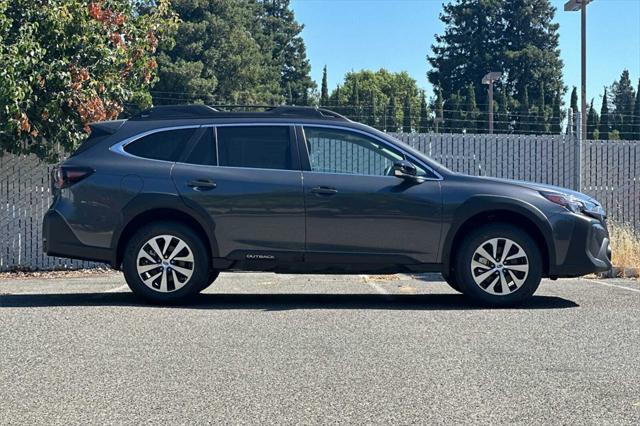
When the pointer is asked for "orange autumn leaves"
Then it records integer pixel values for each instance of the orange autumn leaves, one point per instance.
(89, 61)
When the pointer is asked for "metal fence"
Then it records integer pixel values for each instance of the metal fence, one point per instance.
(610, 172)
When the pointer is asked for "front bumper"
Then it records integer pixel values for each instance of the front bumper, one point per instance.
(583, 246)
(59, 240)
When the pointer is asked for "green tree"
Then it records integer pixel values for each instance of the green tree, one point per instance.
(636, 116)
(501, 122)
(372, 113)
(574, 100)
(524, 111)
(469, 46)
(288, 52)
(530, 45)
(392, 115)
(622, 99)
(541, 115)
(556, 114)
(604, 127)
(471, 112)
(454, 121)
(517, 37)
(354, 101)
(423, 122)
(66, 63)
(215, 58)
(592, 122)
(324, 91)
(439, 106)
(406, 115)
(384, 84)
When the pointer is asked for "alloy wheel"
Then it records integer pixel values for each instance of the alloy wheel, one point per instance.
(165, 263)
(499, 266)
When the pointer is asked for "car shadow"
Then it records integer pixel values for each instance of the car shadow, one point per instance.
(280, 302)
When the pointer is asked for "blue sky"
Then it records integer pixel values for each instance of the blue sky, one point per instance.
(397, 34)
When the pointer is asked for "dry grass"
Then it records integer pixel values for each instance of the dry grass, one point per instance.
(625, 246)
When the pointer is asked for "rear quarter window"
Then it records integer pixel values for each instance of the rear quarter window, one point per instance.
(164, 145)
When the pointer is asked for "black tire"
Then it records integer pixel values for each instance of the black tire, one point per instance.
(213, 276)
(181, 292)
(529, 282)
(449, 278)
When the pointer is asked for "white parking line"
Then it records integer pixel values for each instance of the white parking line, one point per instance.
(380, 290)
(613, 285)
(117, 289)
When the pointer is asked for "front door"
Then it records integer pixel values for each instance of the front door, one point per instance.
(250, 184)
(357, 211)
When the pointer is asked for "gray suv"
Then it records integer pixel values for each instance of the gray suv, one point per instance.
(177, 194)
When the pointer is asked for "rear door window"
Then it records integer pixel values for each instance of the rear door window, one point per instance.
(164, 145)
(262, 147)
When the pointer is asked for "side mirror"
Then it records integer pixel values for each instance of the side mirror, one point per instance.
(405, 170)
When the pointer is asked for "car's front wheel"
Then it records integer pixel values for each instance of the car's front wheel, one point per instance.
(166, 262)
(499, 264)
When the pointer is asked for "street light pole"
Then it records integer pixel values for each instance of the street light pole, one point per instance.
(574, 6)
(489, 79)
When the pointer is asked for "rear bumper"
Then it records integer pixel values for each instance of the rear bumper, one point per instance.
(59, 240)
(587, 250)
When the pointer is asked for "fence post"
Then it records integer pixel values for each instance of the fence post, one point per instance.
(578, 152)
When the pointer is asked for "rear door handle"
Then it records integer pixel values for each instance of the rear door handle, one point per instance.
(201, 184)
(324, 190)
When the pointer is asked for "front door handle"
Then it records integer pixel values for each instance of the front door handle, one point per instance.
(201, 184)
(324, 190)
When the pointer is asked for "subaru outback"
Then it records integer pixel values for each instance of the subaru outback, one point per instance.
(177, 194)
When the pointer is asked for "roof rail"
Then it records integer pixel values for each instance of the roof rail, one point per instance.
(164, 112)
(169, 112)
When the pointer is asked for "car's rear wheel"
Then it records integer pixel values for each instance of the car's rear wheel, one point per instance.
(166, 262)
(499, 264)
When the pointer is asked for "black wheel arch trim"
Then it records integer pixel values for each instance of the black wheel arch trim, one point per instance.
(485, 204)
(144, 203)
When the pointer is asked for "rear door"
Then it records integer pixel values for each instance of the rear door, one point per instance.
(248, 180)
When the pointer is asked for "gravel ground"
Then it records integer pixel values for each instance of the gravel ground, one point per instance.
(265, 348)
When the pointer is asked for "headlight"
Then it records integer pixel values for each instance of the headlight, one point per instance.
(567, 201)
(574, 204)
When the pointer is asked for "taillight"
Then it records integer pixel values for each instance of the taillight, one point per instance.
(65, 176)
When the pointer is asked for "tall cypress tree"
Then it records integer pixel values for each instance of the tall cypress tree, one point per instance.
(501, 122)
(574, 100)
(406, 115)
(423, 123)
(373, 110)
(592, 122)
(440, 110)
(605, 126)
(622, 99)
(471, 111)
(324, 91)
(354, 101)
(392, 120)
(524, 117)
(541, 118)
(556, 115)
(636, 116)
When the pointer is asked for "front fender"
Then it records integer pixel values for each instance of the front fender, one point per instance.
(480, 205)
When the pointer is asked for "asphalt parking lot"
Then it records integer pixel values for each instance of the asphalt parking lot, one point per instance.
(265, 348)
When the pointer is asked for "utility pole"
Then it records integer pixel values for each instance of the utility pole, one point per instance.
(489, 79)
(574, 6)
